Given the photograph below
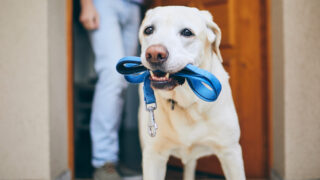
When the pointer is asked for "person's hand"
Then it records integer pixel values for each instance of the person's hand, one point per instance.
(89, 16)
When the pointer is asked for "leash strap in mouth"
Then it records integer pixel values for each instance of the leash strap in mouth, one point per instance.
(134, 72)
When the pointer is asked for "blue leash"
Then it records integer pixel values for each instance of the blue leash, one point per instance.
(135, 72)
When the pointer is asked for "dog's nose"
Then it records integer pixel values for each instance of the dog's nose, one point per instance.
(157, 54)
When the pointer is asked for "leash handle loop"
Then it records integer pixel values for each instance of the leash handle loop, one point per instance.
(135, 72)
(196, 79)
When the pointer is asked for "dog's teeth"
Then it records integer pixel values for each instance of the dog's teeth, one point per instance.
(152, 75)
(167, 76)
(156, 78)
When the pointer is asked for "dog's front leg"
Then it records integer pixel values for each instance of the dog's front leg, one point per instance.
(232, 162)
(189, 170)
(154, 165)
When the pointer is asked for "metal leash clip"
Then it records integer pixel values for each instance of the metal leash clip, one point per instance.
(152, 125)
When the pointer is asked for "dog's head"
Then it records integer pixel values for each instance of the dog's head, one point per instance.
(172, 37)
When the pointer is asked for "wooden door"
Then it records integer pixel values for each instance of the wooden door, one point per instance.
(245, 54)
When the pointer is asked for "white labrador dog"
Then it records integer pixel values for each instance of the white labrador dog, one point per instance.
(189, 128)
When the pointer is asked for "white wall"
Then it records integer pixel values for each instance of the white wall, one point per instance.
(33, 134)
(296, 88)
(58, 90)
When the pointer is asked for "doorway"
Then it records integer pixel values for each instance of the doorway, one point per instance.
(84, 79)
(245, 50)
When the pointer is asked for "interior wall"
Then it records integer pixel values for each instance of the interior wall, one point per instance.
(32, 89)
(24, 108)
(57, 86)
(296, 88)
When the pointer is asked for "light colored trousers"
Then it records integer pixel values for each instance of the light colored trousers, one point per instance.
(116, 37)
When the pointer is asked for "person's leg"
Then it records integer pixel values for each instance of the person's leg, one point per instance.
(107, 103)
(130, 20)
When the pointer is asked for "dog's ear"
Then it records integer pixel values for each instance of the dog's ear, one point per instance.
(213, 32)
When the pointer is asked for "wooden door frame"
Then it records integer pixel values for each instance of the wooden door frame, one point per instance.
(69, 43)
(266, 18)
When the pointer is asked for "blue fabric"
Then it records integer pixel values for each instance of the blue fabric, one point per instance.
(135, 72)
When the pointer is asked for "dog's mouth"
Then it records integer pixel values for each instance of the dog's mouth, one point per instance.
(163, 80)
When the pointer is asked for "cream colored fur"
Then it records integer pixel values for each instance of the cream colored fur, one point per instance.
(194, 128)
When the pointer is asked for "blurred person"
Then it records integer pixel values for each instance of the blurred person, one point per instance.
(113, 30)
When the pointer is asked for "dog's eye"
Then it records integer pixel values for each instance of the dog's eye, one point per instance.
(148, 30)
(186, 32)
